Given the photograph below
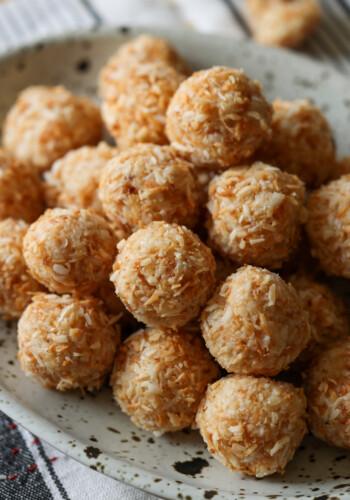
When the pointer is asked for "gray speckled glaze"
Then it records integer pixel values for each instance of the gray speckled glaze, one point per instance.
(91, 428)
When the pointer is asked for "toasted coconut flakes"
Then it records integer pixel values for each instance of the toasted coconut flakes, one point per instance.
(47, 122)
(218, 117)
(254, 214)
(248, 334)
(50, 349)
(77, 266)
(159, 377)
(147, 183)
(327, 385)
(155, 259)
(328, 226)
(252, 425)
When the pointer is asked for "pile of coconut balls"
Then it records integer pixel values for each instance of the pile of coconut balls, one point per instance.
(182, 262)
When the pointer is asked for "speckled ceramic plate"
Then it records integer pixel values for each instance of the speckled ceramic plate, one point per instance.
(91, 428)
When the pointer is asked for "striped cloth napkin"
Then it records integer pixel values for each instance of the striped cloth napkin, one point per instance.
(29, 468)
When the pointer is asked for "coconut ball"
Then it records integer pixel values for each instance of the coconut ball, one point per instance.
(47, 122)
(20, 190)
(252, 425)
(285, 23)
(301, 141)
(164, 274)
(327, 386)
(137, 102)
(327, 314)
(255, 214)
(74, 179)
(70, 250)
(255, 324)
(147, 183)
(160, 376)
(328, 226)
(66, 342)
(218, 117)
(17, 286)
(140, 50)
(341, 167)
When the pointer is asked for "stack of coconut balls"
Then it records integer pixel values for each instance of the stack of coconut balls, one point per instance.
(181, 226)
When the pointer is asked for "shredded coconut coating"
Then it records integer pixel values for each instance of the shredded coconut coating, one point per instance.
(143, 49)
(301, 142)
(164, 274)
(137, 102)
(47, 122)
(17, 286)
(328, 226)
(218, 117)
(327, 314)
(73, 180)
(284, 23)
(20, 190)
(70, 250)
(160, 376)
(252, 425)
(66, 342)
(148, 183)
(327, 386)
(255, 324)
(255, 214)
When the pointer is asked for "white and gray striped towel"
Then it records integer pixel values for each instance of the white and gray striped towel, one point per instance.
(30, 469)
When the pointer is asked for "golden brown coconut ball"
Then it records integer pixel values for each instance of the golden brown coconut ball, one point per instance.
(143, 49)
(218, 117)
(301, 141)
(20, 190)
(148, 183)
(252, 425)
(66, 343)
(285, 23)
(17, 286)
(328, 226)
(164, 274)
(160, 376)
(327, 386)
(47, 122)
(255, 324)
(70, 250)
(327, 314)
(136, 105)
(255, 214)
(73, 180)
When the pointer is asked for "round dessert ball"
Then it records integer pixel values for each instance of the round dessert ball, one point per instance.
(70, 250)
(164, 274)
(66, 342)
(328, 316)
(284, 23)
(47, 122)
(17, 286)
(341, 167)
(73, 180)
(327, 388)
(301, 141)
(148, 183)
(20, 190)
(160, 376)
(252, 425)
(328, 226)
(140, 50)
(135, 108)
(218, 117)
(255, 214)
(255, 324)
